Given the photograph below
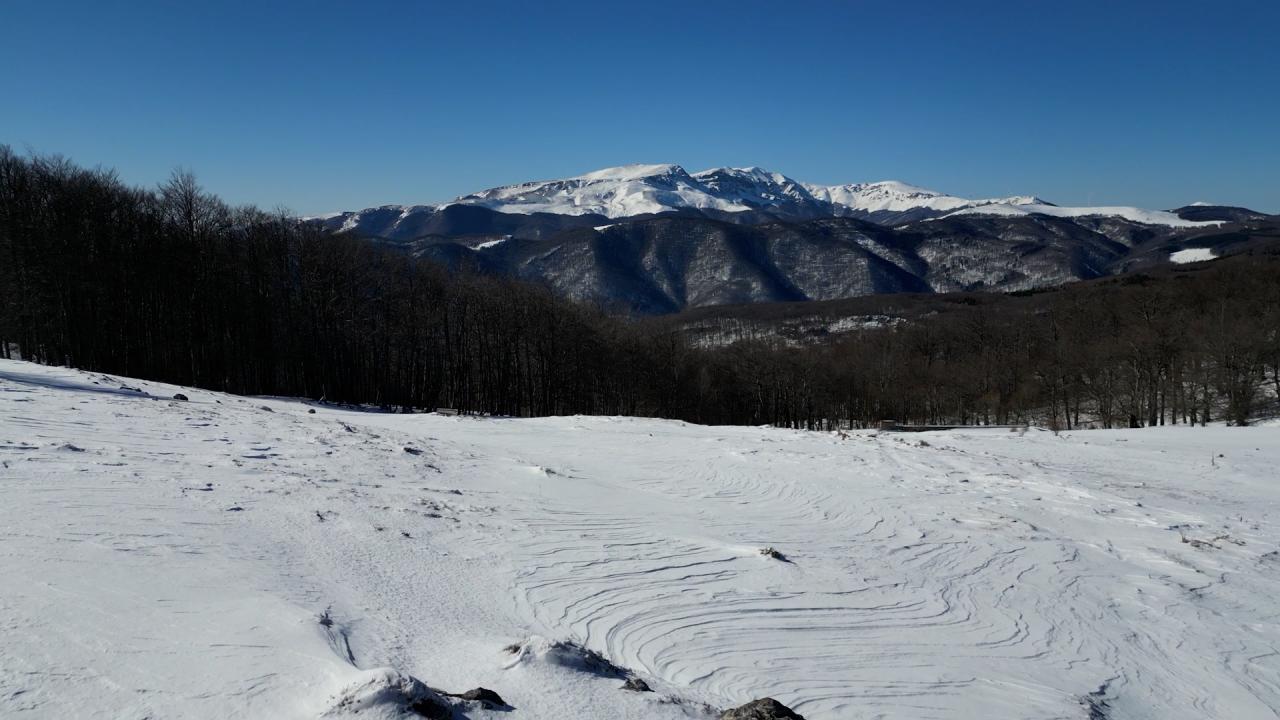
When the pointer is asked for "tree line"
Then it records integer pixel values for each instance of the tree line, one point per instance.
(173, 284)
(1190, 346)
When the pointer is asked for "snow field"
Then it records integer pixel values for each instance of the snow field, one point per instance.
(174, 559)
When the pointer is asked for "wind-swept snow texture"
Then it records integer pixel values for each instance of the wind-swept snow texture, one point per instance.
(175, 559)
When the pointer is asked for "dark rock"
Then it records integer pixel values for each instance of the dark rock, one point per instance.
(312, 411)
(431, 709)
(386, 693)
(265, 408)
(484, 695)
(567, 654)
(180, 397)
(773, 554)
(413, 450)
(573, 655)
(237, 508)
(762, 709)
(635, 684)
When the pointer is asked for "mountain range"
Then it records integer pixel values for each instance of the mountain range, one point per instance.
(648, 239)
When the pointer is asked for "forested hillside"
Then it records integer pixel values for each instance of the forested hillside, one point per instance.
(172, 284)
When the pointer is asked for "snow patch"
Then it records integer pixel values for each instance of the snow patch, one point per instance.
(492, 243)
(1192, 255)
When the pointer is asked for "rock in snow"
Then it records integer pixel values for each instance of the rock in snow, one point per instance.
(385, 693)
(762, 709)
(635, 684)
(565, 654)
(485, 696)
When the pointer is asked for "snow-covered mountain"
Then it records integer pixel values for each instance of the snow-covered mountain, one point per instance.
(656, 238)
(896, 197)
(741, 195)
(612, 192)
(632, 190)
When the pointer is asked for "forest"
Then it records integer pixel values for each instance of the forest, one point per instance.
(173, 284)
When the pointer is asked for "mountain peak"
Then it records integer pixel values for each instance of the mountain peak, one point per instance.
(635, 171)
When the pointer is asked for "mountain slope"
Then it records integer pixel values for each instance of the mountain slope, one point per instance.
(655, 238)
(624, 191)
(1132, 214)
(669, 263)
(743, 195)
(891, 202)
(232, 557)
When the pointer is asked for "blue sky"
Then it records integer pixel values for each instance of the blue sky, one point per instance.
(321, 106)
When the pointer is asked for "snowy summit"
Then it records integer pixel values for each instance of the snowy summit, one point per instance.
(631, 190)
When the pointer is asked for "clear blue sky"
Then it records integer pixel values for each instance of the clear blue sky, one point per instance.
(320, 106)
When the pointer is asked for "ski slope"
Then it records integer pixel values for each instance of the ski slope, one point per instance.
(172, 559)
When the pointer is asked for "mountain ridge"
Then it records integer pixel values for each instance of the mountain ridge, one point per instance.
(740, 194)
(655, 239)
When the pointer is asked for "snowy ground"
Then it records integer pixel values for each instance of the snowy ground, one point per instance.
(165, 559)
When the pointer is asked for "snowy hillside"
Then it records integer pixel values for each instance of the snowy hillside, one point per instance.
(613, 192)
(1132, 214)
(893, 196)
(240, 557)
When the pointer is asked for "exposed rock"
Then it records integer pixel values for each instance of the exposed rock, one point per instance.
(773, 554)
(431, 709)
(1096, 705)
(180, 397)
(635, 684)
(565, 654)
(762, 709)
(489, 698)
(385, 692)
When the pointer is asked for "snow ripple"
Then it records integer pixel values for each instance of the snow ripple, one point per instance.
(910, 594)
(1121, 574)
